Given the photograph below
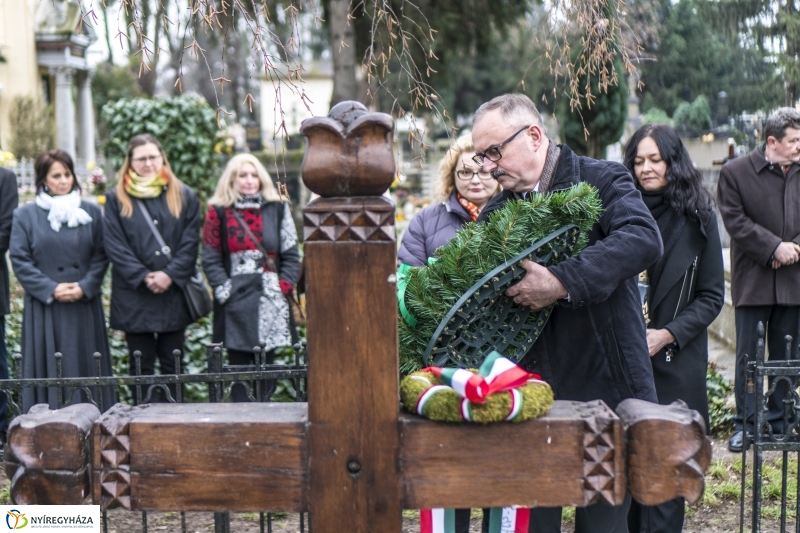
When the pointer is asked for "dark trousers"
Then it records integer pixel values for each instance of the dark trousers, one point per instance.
(154, 346)
(238, 390)
(664, 518)
(3, 375)
(596, 518)
(779, 321)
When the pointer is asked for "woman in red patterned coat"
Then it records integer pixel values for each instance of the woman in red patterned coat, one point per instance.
(247, 219)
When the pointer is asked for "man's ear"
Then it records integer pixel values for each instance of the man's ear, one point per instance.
(537, 136)
(772, 141)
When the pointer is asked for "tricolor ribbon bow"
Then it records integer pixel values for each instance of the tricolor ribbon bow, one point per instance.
(496, 374)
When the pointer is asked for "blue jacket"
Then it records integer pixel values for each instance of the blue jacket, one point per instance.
(431, 228)
(594, 346)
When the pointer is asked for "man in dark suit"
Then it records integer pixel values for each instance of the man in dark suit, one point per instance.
(9, 199)
(594, 346)
(759, 200)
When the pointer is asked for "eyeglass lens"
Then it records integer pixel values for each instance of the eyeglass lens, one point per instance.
(151, 158)
(468, 174)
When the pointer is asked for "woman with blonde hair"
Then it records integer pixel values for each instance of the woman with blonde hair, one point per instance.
(463, 190)
(151, 235)
(251, 259)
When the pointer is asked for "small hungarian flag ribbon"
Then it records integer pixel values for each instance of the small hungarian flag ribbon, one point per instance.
(501, 520)
(509, 520)
(496, 374)
(437, 521)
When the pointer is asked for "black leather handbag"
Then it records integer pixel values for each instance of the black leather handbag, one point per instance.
(195, 292)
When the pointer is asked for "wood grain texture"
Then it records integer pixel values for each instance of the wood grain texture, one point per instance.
(213, 457)
(353, 387)
(349, 152)
(668, 451)
(541, 462)
(47, 456)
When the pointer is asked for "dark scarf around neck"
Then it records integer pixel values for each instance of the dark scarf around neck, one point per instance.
(670, 226)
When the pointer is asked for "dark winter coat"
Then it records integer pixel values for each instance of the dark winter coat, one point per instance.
(236, 321)
(42, 258)
(134, 252)
(594, 346)
(431, 228)
(760, 207)
(688, 296)
(9, 198)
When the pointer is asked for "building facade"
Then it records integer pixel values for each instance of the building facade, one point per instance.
(43, 46)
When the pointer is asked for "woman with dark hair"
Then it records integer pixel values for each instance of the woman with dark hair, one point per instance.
(57, 254)
(148, 205)
(683, 290)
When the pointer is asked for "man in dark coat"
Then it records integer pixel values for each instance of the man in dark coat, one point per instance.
(9, 199)
(594, 345)
(759, 199)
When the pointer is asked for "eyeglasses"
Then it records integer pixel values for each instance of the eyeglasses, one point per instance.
(145, 159)
(493, 154)
(467, 175)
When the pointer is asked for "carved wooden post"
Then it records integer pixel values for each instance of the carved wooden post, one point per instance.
(47, 455)
(350, 261)
(668, 451)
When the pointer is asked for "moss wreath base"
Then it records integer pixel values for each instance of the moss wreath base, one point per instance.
(531, 400)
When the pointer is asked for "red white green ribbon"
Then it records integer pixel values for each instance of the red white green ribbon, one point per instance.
(437, 521)
(496, 374)
(509, 520)
(501, 520)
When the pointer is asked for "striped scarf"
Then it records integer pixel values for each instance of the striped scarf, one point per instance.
(151, 187)
(471, 208)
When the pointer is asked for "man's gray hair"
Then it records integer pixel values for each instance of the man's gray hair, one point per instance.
(780, 120)
(517, 109)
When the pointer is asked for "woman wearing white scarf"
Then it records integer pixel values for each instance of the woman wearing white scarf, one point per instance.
(58, 257)
(63, 209)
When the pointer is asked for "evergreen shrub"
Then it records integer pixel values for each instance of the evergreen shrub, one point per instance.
(186, 127)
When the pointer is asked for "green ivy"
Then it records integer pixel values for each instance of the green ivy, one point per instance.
(186, 127)
(720, 412)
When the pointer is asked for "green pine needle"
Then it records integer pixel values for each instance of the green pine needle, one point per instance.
(477, 249)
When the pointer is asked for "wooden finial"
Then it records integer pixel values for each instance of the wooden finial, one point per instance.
(349, 152)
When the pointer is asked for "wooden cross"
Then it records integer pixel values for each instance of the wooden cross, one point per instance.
(348, 456)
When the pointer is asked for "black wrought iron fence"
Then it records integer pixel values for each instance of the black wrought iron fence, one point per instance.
(259, 382)
(771, 435)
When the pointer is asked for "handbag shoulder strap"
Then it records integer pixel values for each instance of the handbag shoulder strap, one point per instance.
(246, 228)
(164, 248)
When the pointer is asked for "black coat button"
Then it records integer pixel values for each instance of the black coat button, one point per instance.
(61, 269)
(75, 265)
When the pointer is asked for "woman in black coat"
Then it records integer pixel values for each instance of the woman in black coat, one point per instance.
(684, 289)
(56, 250)
(147, 281)
(246, 219)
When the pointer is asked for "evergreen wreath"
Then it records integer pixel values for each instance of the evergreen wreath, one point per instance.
(428, 293)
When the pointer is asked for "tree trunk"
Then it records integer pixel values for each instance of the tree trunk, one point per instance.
(343, 50)
(108, 34)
